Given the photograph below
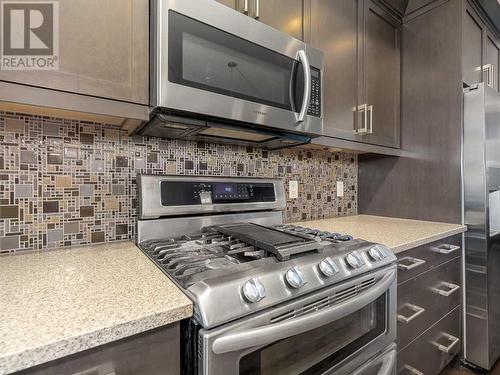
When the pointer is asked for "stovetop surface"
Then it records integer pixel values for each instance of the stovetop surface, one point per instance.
(230, 252)
(227, 249)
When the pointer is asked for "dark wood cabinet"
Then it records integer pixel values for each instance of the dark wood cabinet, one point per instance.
(361, 42)
(103, 49)
(382, 76)
(424, 183)
(480, 48)
(149, 353)
(335, 29)
(429, 290)
(472, 48)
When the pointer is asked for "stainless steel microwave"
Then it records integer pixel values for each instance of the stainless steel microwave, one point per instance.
(212, 62)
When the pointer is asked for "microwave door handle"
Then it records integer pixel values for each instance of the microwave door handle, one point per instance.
(302, 56)
(270, 333)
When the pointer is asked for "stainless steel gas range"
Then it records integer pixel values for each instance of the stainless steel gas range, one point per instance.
(269, 298)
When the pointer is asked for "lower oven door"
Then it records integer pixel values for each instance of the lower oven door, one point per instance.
(333, 331)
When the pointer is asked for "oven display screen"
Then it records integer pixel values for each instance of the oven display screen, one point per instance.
(221, 189)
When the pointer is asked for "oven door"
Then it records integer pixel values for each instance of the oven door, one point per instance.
(214, 61)
(333, 331)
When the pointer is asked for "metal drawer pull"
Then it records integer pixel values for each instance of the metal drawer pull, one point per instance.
(245, 7)
(370, 119)
(415, 262)
(447, 349)
(452, 288)
(363, 110)
(417, 311)
(445, 248)
(413, 370)
(488, 69)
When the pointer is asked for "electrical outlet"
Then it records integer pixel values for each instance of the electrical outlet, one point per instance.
(340, 188)
(293, 189)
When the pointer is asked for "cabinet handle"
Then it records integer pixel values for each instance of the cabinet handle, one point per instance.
(413, 370)
(257, 9)
(447, 349)
(362, 109)
(370, 119)
(488, 69)
(452, 289)
(407, 319)
(445, 248)
(415, 263)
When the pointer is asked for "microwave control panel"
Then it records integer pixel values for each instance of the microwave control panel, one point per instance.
(315, 101)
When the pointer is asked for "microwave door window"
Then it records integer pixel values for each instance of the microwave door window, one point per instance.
(210, 59)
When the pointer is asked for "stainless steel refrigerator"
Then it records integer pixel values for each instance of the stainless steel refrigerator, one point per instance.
(481, 188)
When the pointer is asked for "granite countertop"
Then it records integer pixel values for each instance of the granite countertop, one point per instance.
(60, 302)
(397, 234)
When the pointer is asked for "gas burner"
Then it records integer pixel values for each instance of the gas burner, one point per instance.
(314, 233)
(188, 258)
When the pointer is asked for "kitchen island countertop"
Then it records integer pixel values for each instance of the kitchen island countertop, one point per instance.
(58, 302)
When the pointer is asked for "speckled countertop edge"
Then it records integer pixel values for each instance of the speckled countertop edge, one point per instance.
(30, 353)
(39, 355)
(426, 240)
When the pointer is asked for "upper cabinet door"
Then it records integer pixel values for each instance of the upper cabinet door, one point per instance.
(472, 48)
(335, 29)
(103, 51)
(382, 77)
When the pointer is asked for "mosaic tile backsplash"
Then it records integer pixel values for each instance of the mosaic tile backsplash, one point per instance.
(67, 182)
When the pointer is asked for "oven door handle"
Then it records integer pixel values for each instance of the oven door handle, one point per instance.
(302, 56)
(388, 362)
(277, 331)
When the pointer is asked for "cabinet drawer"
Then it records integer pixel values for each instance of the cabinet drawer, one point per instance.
(422, 258)
(432, 351)
(425, 299)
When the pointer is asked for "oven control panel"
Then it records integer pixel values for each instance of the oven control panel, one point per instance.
(180, 193)
(315, 101)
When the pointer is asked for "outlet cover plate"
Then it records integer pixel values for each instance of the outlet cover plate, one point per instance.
(340, 188)
(293, 189)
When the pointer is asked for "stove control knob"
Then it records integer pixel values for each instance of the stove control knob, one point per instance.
(353, 260)
(294, 277)
(382, 251)
(328, 267)
(253, 290)
(377, 253)
(374, 254)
